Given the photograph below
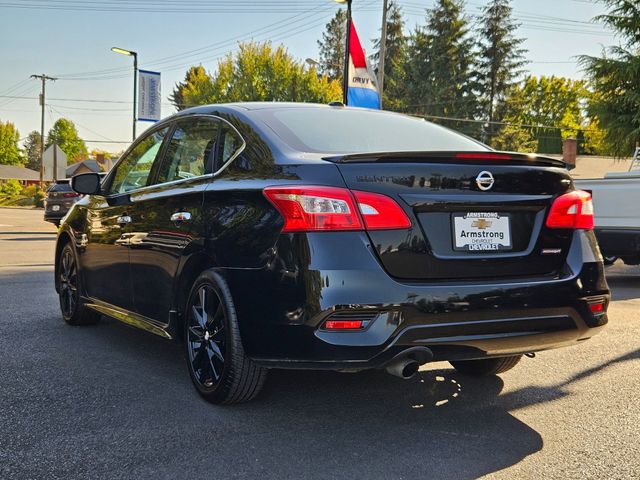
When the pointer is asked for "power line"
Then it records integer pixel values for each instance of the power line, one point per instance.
(486, 122)
(157, 62)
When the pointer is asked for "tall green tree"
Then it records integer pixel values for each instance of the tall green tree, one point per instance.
(32, 150)
(395, 60)
(331, 47)
(441, 78)
(10, 153)
(501, 56)
(257, 72)
(615, 77)
(65, 135)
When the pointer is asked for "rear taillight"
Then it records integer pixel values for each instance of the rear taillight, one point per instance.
(317, 208)
(572, 210)
(70, 195)
(380, 212)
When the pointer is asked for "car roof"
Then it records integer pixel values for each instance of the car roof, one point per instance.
(246, 107)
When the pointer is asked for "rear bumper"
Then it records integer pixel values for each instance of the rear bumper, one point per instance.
(55, 215)
(281, 324)
(619, 242)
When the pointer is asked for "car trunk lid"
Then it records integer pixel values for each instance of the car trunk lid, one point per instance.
(474, 214)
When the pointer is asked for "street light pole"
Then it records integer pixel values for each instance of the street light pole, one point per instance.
(345, 76)
(135, 91)
(44, 79)
(133, 54)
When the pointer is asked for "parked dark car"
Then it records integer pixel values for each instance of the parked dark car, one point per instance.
(60, 198)
(271, 235)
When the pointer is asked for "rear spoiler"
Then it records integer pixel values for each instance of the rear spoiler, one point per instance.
(447, 157)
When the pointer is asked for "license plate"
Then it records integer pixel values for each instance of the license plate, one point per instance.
(481, 232)
(55, 208)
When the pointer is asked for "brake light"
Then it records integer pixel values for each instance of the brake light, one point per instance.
(70, 195)
(318, 208)
(572, 210)
(483, 156)
(315, 208)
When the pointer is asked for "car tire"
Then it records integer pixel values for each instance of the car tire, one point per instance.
(73, 309)
(217, 364)
(486, 366)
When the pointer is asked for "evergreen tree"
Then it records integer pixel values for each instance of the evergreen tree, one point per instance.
(65, 135)
(501, 57)
(615, 78)
(196, 89)
(395, 61)
(32, 150)
(441, 78)
(332, 46)
(10, 153)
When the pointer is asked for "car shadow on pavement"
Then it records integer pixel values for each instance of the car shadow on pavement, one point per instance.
(305, 424)
(109, 401)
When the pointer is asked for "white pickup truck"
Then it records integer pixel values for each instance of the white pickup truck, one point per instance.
(616, 203)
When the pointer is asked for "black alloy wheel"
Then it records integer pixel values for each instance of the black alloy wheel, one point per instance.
(68, 283)
(206, 337)
(72, 306)
(218, 366)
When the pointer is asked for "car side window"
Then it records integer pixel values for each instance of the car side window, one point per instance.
(191, 151)
(133, 172)
(230, 143)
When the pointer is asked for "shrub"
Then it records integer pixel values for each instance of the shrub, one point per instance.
(10, 188)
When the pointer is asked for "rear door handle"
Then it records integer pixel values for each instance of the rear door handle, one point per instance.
(123, 220)
(181, 217)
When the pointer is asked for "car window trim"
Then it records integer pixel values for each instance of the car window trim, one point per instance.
(166, 159)
(158, 162)
(173, 121)
(108, 181)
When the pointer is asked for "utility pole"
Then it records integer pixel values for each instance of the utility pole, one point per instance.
(44, 79)
(383, 51)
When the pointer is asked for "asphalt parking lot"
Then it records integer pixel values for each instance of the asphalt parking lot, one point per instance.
(112, 402)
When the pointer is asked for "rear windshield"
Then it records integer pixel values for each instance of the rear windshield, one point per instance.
(60, 187)
(339, 130)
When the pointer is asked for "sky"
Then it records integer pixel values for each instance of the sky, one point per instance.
(72, 40)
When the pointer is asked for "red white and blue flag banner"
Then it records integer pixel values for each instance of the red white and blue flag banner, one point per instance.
(363, 88)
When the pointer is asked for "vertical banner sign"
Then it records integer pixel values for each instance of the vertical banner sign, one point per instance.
(149, 96)
(363, 88)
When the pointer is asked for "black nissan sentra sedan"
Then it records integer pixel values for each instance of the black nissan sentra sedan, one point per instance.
(275, 235)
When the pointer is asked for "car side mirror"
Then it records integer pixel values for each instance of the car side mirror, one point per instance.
(86, 183)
